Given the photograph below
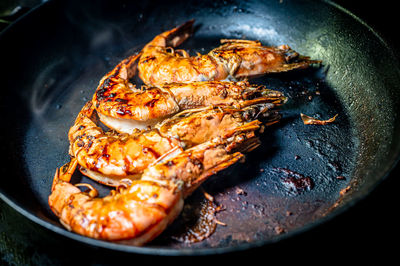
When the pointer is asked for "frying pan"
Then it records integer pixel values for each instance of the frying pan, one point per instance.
(55, 66)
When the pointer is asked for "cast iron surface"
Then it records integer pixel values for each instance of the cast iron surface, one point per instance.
(81, 44)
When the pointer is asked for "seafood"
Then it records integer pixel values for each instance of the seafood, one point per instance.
(109, 157)
(234, 59)
(124, 108)
(141, 210)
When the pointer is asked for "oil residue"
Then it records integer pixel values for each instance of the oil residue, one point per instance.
(198, 221)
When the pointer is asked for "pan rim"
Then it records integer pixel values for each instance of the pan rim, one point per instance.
(211, 250)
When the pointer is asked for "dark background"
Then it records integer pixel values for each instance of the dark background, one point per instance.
(366, 231)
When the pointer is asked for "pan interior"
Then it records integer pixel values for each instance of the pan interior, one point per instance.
(343, 160)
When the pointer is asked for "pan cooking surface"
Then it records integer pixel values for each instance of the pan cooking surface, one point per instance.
(263, 198)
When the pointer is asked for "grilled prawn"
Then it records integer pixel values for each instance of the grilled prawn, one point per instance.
(124, 108)
(142, 209)
(160, 63)
(109, 157)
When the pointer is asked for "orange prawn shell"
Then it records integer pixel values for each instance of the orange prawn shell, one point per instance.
(132, 213)
(158, 67)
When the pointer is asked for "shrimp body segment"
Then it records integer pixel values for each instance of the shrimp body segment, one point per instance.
(142, 210)
(124, 107)
(160, 64)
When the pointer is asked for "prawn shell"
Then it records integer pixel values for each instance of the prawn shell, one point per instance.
(139, 105)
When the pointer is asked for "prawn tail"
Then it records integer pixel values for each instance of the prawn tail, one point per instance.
(61, 189)
(64, 173)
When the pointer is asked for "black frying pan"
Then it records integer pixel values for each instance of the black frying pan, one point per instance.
(55, 66)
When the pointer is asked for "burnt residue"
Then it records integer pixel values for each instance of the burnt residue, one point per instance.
(89, 143)
(104, 154)
(103, 91)
(150, 150)
(122, 110)
(123, 101)
(295, 182)
(80, 143)
(101, 94)
(151, 103)
(147, 59)
(196, 162)
(197, 221)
